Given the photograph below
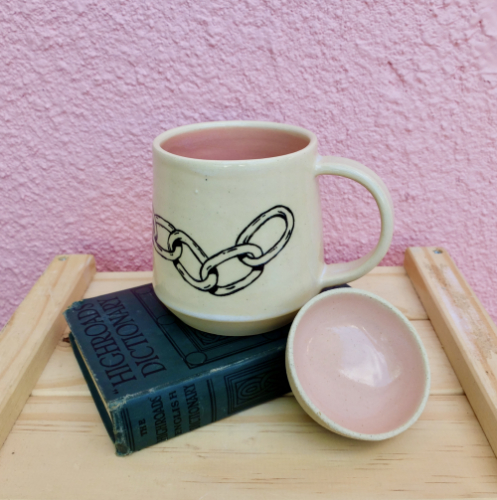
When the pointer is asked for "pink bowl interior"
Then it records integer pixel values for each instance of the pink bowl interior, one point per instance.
(359, 364)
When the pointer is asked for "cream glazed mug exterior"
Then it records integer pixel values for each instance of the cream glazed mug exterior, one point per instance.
(238, 246)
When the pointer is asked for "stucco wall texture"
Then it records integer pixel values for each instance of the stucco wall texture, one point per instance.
(407, 88)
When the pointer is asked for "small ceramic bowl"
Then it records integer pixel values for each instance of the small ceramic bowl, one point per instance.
(356, 365)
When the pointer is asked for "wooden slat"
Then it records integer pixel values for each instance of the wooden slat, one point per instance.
(443, 378)
(59, 449)
(271, 451)
(62, 376)
(390, 283)
(465, 329)
(112, 282)
(393, 285)
(28, 339)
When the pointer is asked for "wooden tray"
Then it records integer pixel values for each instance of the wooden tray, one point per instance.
(55, 445)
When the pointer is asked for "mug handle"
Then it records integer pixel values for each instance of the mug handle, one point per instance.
(337, 274)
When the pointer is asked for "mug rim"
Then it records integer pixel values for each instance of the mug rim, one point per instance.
(193, 127)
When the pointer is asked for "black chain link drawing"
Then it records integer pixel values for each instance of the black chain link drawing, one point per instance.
(246, 252)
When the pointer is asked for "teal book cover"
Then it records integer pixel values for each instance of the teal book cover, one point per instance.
(153, 377)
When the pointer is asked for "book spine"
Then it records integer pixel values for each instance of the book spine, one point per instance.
(160, 415)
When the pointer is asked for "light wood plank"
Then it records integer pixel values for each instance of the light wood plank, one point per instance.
(28, 339)
(104, 283)
(390, 283)
(468, 334)
(443, 378)
(62, 376)
(271, 451)
(393, 285)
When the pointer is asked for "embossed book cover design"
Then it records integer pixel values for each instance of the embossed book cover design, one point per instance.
(153, 377)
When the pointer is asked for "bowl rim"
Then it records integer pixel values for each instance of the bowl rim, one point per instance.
(311, 408)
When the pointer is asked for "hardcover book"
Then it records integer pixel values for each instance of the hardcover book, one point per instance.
(153, 377)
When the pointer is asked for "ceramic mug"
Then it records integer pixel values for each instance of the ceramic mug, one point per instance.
(238, 246)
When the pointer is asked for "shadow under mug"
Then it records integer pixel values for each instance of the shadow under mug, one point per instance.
(237, 237)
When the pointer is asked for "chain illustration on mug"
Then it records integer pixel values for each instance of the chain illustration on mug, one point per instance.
(246, 252)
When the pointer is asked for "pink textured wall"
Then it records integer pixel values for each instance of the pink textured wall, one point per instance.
(408, 88)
